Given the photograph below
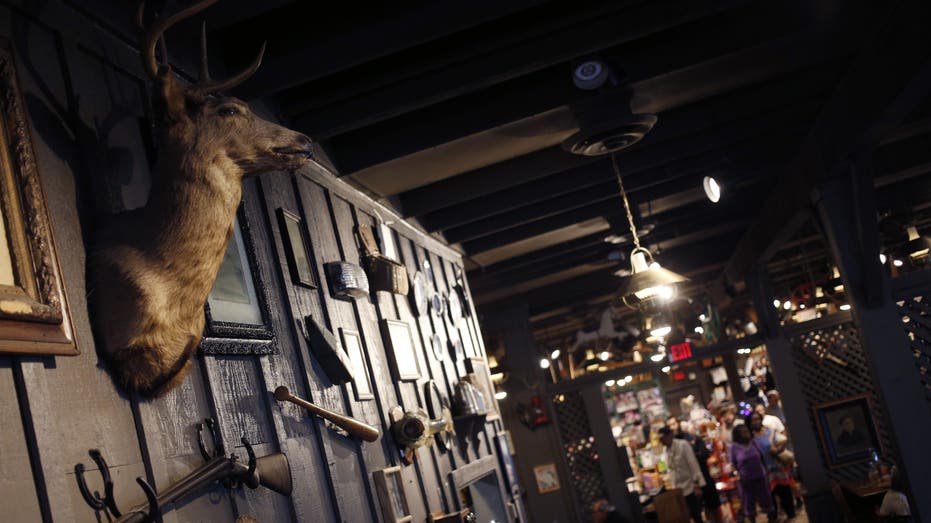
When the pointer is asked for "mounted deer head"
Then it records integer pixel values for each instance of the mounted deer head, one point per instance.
(153, 268)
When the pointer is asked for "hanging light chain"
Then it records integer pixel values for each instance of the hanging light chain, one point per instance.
(630, 217)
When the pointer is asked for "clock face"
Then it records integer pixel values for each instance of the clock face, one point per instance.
(419, 296)
(455, 307)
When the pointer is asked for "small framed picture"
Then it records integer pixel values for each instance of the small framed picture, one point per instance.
(391, 497)
(238, 317)
(295, 248)
(478, 368)
(400, 341)
(547, 478)
(361, 384)
(847, 431)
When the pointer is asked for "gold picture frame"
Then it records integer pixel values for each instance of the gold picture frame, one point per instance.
(547, 478)
(34, 314)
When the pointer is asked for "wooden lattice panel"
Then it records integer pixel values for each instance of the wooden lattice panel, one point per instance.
(579, 447)
(916, 320)
(832, 364)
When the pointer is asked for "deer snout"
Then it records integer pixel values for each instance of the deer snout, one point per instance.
(301, 146)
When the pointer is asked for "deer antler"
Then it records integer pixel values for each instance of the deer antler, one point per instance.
(153, 36)
(206, 85)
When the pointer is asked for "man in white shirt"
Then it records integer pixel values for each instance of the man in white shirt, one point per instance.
(769, 421)
(684, 473)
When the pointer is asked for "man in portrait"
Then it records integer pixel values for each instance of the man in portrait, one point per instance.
(850, 439)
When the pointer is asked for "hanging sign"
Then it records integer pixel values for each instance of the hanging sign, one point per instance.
(679, 352)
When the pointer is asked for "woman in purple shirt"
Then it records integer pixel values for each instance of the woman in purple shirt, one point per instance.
(748, 461)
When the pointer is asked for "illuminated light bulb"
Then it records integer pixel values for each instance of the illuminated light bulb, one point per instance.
(501, 394)
(655, 265)
(845, 307)
(712, 189)
(666, 369)
(628, 379)
(659, 332)
(787, 305)
(898, 263)
(604, 356)
(700, 330)
(801, 306)
(777, 303)
(702, 318)
(666, 292)
(882, 258)
(658, 357)
(544, 363)
(555, 354)
(609, 383)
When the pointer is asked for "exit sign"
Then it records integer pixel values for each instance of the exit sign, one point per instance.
(681, 351)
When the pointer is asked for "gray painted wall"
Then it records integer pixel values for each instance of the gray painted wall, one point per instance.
(86, 97)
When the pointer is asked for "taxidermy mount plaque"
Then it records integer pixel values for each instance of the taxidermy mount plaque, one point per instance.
(153, 268)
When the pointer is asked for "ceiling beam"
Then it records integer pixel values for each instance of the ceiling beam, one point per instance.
(373, 38)
(517, 59)
(890, 77)
(654, 56)
(749, 105)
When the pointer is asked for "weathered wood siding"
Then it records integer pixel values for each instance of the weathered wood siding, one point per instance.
(86, 97)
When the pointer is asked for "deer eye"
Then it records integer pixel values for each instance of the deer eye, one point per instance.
(228, 111)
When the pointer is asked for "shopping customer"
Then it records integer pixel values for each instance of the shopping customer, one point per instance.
(781, 480)
(749, 463)
(684, 473)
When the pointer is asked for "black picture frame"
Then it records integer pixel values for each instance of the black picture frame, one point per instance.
(239, 337)
(848, 433)
(399, 339)
(361, 383)
(297, 249)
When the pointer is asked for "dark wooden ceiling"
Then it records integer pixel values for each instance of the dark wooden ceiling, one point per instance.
(454, 114)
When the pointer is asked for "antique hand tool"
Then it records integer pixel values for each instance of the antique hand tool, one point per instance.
(353, 426)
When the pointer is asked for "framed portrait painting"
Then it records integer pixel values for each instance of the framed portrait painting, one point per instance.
(848, 434)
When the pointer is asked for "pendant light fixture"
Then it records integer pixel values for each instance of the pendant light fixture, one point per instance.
(648, 281)
(918, 246)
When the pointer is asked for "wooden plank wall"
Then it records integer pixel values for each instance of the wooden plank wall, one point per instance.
(86, 96)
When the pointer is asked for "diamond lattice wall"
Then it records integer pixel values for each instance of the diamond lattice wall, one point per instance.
(579, 447)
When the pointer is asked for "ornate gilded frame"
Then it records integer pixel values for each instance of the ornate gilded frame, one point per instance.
(34, 315)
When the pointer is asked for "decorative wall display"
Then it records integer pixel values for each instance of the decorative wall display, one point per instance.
(296, 249)
(353, 427)
(547, 478)
(847, 431)
(436, 344)
(361, 384)
(418, 296)
(34, 315)
(334, 360)
(437, 304)
(454, 308)
(272, 471)
(481, 378)
(149, 288)
(238, 318)
(347, 281)
(400, 341)
(391, 496)
(384, 273)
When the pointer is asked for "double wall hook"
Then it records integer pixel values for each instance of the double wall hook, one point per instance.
(105, 503)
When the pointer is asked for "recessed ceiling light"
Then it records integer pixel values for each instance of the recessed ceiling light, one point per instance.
(712, 189)
(544, 363)
(554, 354)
